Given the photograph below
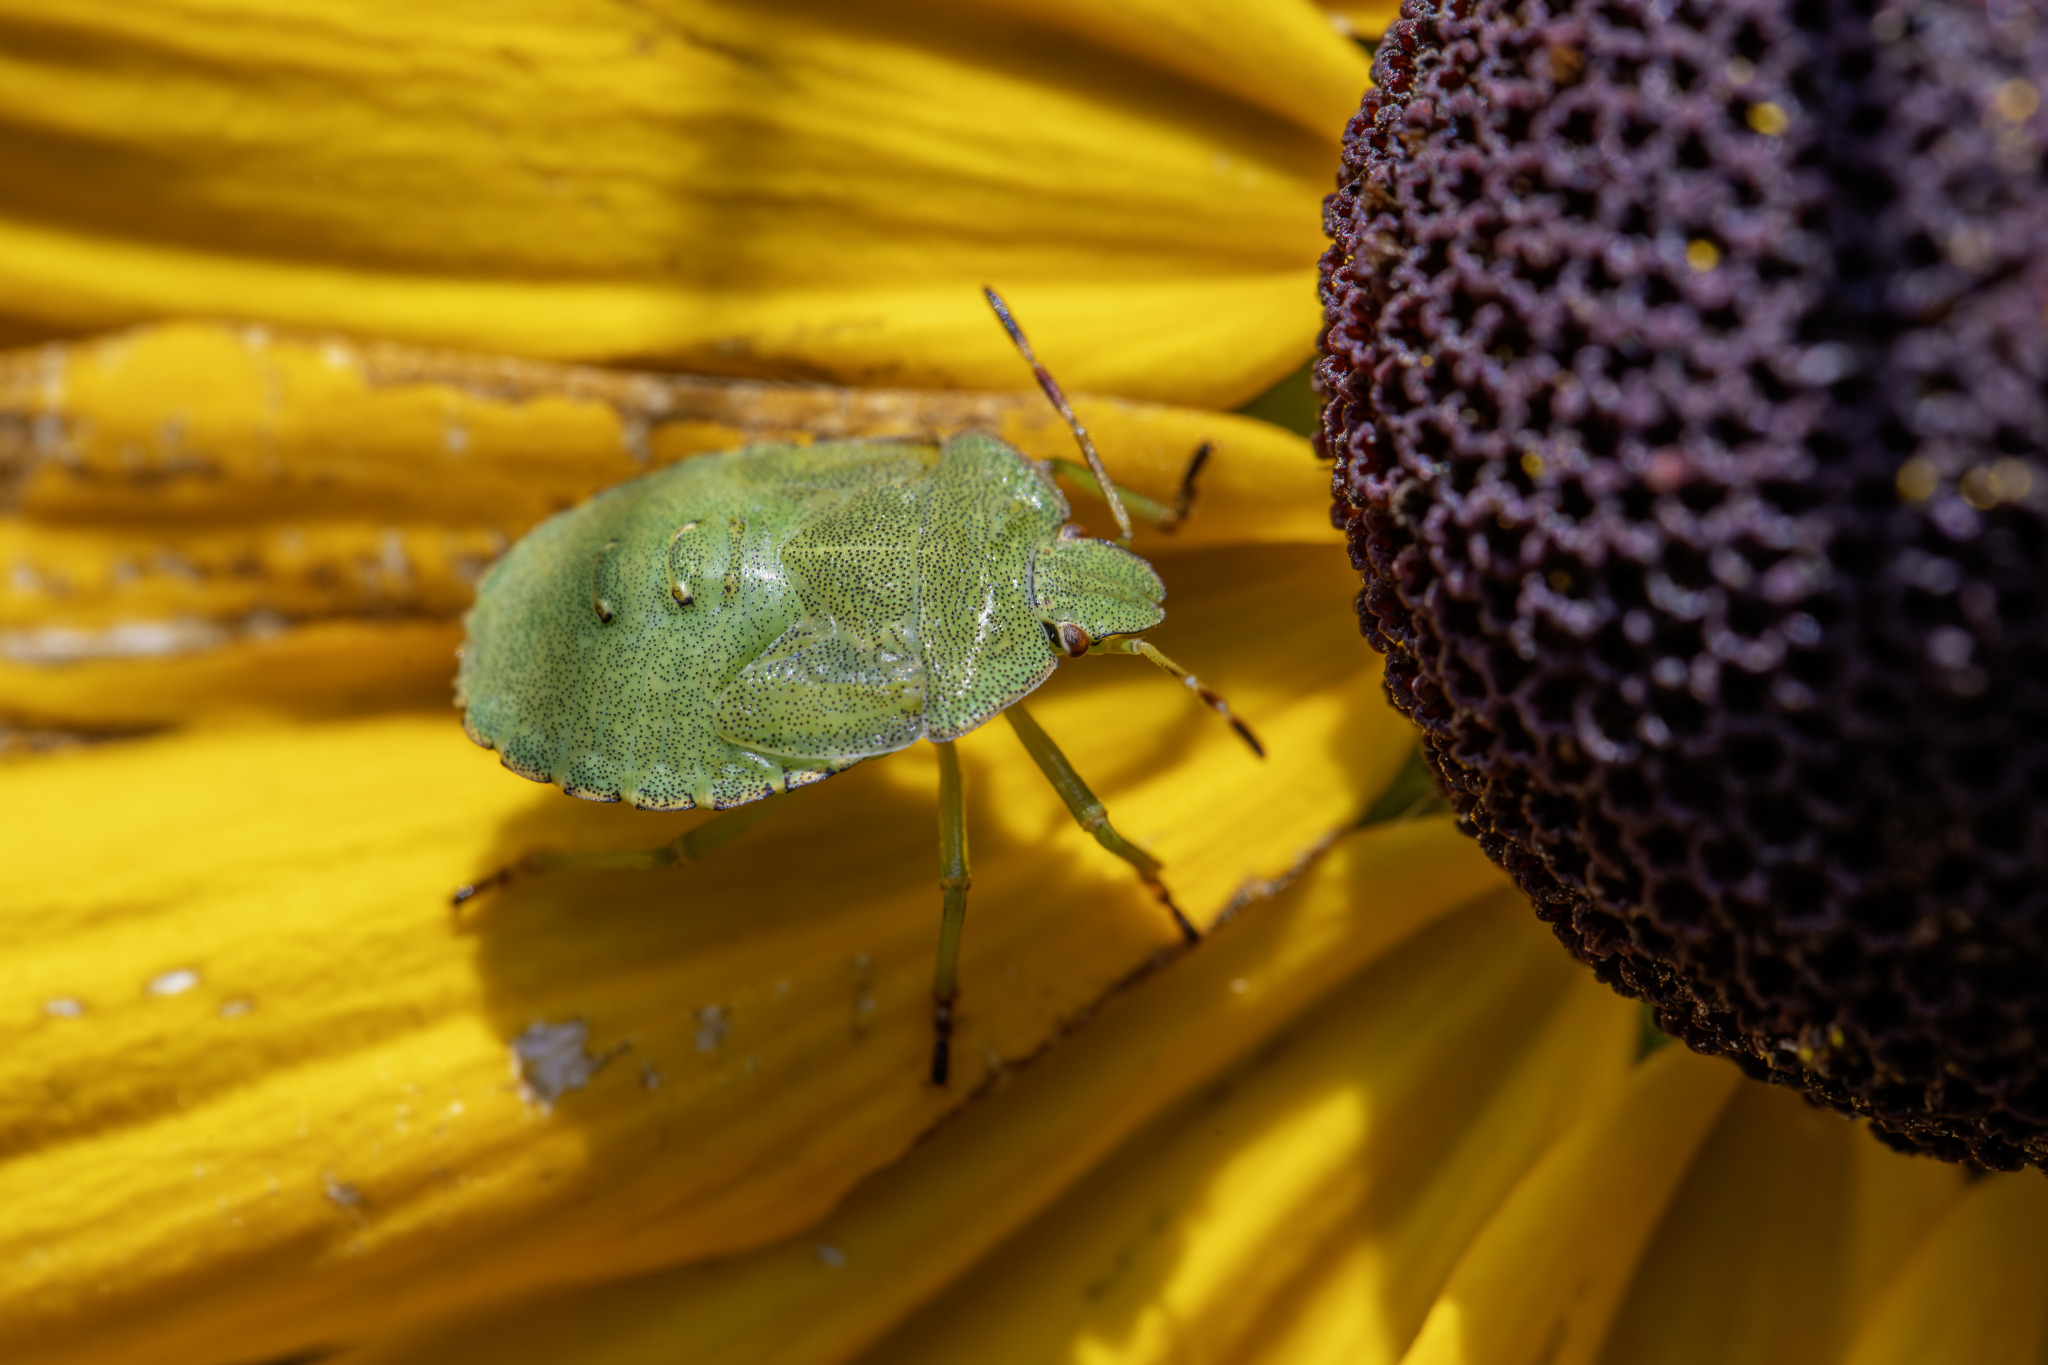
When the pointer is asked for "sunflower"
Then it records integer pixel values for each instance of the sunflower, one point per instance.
(266, 1096)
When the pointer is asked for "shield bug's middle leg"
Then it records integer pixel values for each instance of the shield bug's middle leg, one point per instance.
(685, 848)
(1089, 812)
(953, 883)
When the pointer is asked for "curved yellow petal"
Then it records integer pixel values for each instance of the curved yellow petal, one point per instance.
(1541, 1283)
(258, 1084)
(1307, 1206)
(1787, 1232)
(209, 518)
(750, 189)
(1272, 54)
(1978, 1291)
(1364, 18)
(906, 1233)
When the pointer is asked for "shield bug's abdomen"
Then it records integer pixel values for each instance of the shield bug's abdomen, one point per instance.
(607, 647)
(739, 624)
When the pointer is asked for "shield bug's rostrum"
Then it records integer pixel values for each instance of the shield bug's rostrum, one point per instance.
(736, 625)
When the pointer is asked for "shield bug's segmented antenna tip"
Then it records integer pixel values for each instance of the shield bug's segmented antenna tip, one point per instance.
(1211, 698)
(1066, 410)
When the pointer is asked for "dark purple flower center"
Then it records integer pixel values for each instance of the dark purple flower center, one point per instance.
(1686, 374)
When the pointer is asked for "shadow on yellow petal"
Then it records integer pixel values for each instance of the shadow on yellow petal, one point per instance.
(1695, 1219)
(789, 190)
(1307, 1205)
(217, 519)
(261, 1089)
(1978, 1290)
(1788, 1231)
(912, 1229)
(1541, 1282)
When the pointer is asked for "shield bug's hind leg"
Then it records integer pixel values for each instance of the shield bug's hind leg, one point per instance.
(686, 848)
(1166, 516)
(953, 883)
(1089, 812)
(1211, 699)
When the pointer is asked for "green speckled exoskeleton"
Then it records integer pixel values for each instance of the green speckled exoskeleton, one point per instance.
(736, 625)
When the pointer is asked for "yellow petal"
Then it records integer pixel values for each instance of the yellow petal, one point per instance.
(1788, 1230)
(1365, 18)
(212, 518)
(1307, 1206)
(1978, 1291)
(256, 1081)
(913, 1228)
(1542, 1281)
(763, 189)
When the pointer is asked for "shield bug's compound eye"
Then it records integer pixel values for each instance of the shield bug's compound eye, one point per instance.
(1074, 641)
(1686, 382)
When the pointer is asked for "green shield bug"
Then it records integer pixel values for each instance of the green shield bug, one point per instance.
(736, 625)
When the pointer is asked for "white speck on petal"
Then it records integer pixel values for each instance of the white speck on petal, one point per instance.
(634, 431)
(343, 1194)
(392, 559)
(129, 640)
(711, 1027)
(549, 1060)
(264, 625)
(829, 1255)
(174, 982)
(64, 1007)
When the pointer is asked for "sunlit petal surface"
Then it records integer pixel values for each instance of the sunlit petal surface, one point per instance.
(210, 518)
(912, 1229)
(262, 1092)
(1308, 1206)
(1453, 1155)
(785, 189)
(262, 1088)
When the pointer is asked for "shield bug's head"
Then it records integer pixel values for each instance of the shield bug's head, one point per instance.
(1088, 590)
(1095, 597)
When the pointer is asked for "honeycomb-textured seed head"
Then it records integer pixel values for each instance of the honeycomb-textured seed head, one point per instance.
(1686, 377)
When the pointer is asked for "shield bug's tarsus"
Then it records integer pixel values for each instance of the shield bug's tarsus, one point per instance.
(736, 625)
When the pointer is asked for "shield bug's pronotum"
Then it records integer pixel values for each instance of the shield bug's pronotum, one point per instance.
(736, 625)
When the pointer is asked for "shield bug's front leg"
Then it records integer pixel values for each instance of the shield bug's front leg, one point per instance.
(1165, 516)
(1089, 811)
(686, 848)
(953, 883)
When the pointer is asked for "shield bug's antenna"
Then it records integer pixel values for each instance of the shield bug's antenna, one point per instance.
(1066, 410)
(1145, 649)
